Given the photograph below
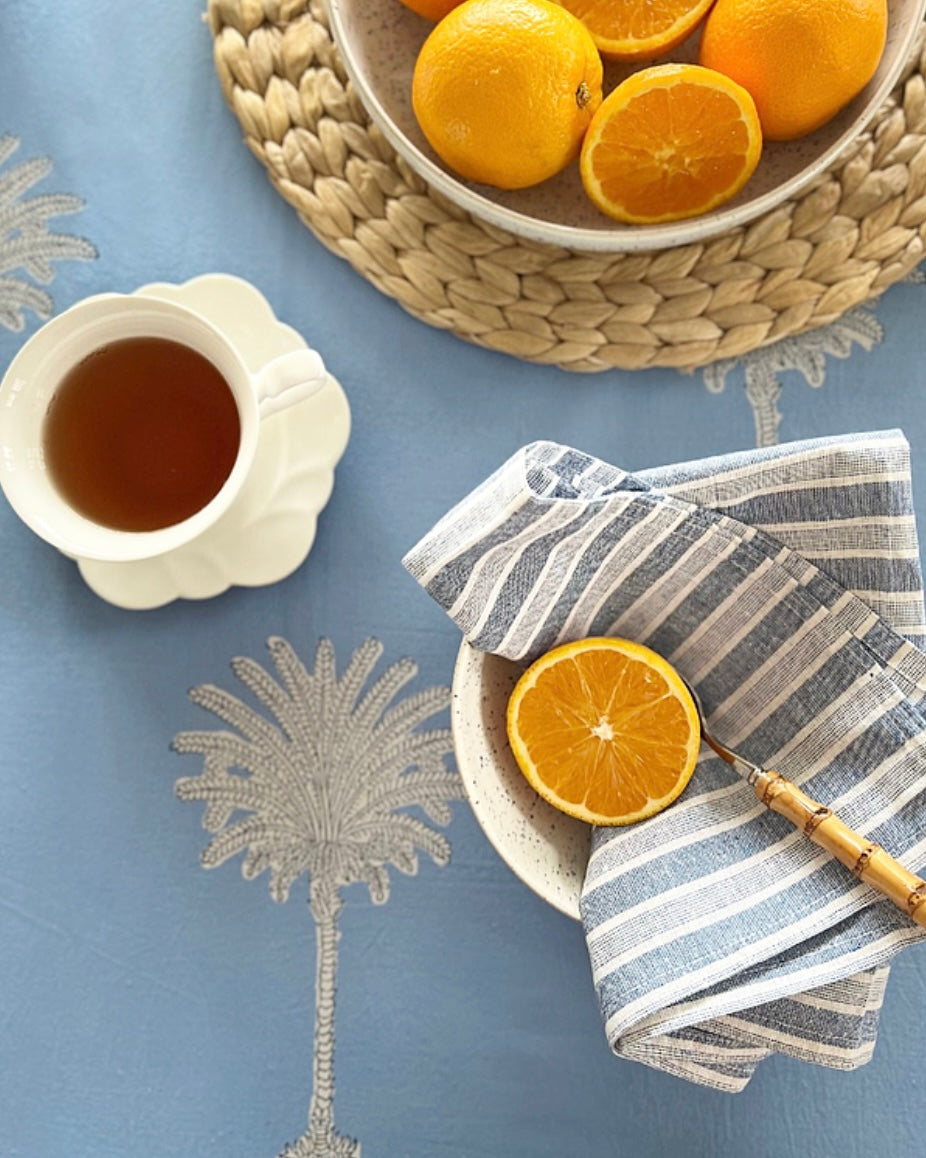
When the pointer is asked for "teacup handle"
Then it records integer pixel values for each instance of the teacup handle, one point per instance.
(289, 379)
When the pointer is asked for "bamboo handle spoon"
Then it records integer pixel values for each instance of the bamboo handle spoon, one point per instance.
(867, 860)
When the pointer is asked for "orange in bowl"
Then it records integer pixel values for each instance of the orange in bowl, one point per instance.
(631, 30)
(431, 9)
(605, 730)
(801, 60)
(504, 90)
(670, 142)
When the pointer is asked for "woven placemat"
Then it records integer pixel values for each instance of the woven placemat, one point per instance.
(848, 237)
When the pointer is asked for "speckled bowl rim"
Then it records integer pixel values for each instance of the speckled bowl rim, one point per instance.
(545, 848)
(624, 240)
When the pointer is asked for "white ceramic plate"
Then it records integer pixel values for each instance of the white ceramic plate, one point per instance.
(269, 529)
(547, 849)
(379, 41)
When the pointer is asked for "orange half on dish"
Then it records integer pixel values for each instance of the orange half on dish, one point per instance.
(605, 730)
(631, 30)
(670, 142)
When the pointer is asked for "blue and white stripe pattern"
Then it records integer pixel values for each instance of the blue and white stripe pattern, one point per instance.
(785, 584)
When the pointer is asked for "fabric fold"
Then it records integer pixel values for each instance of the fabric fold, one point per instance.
(785, 585)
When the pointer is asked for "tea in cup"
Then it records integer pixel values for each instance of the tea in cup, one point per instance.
(128, 425)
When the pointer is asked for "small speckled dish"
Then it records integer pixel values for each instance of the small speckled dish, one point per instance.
(379, 40)
(546, 849)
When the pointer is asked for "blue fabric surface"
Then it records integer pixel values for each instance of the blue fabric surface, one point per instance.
(150, 1008)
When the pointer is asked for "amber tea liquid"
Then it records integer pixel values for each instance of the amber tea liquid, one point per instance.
(141, 434)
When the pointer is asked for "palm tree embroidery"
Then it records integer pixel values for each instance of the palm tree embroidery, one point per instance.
(324, 791)
(805, 353)
(26, 242)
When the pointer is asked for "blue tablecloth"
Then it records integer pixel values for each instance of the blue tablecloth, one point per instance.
(149, 1008)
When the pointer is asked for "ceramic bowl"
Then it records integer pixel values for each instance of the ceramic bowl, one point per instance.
(546, 849)
(379, 40)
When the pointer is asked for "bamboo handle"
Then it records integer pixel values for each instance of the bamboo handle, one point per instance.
(868, 861)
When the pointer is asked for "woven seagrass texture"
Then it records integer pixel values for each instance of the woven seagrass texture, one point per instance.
(858, 229)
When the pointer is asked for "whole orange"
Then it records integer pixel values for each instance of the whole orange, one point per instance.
(431, 9)
(505, 89)
(800, 60)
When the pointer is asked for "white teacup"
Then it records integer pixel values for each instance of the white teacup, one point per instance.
(37, 370)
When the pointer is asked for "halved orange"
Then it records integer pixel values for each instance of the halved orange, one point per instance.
(604, 730)
(432, 9)
(671, 141)
(631, 30)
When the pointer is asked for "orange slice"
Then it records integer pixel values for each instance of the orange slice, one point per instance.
(604, 730)
(669, 142)
(631, 30)
(431, 9)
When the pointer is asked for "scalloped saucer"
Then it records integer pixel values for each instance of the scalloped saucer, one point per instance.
(269, 529)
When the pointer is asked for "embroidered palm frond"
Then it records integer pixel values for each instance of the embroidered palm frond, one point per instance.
(323, 768)
(804, 353)
(26, 241)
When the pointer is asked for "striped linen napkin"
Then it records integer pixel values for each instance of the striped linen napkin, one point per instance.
(785, 584)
